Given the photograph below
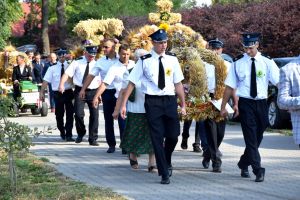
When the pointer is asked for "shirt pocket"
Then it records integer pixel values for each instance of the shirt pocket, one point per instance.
(148, 73)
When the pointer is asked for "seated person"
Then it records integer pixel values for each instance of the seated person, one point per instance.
(21, 72)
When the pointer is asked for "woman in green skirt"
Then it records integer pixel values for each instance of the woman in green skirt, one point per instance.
(136, 139)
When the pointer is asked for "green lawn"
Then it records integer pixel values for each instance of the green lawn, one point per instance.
(37, 180)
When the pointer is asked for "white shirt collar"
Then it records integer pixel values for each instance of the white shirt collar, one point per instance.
(155, 55)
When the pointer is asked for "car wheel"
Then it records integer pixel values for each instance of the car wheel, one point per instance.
(274, 115)
(35, 111)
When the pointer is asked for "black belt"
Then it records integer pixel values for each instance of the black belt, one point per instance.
(68, 90)
(87, 89)
(157, 96)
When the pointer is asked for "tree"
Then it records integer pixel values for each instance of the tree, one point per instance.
(233, 1)
(14, 137)
(277, 22)
(45, 35)
(10, 11)
(61, 22)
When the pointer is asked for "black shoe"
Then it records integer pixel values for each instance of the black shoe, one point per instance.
(260, 176)
(196, 148)
(111, 150)
(170, 170)
(124, 152)
(70, 139)
(217, 169)
(94, 143)
(245, 173)
(219, 153)
(78, 139)
(205, 163)
(63, 136)
(184, 144)
(165, 180)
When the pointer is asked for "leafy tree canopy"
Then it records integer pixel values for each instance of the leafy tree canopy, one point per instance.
(10, 11)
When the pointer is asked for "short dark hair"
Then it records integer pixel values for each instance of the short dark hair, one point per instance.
(37, 53)
(21, 56)
(109, 40)
(124, 47)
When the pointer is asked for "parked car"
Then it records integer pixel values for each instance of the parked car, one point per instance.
(27, 47)
(278, 118)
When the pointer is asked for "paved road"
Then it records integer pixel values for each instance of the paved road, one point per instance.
(93, 165)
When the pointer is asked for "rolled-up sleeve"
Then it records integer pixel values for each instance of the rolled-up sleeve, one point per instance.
(70, 71)
(231, 79)
(273, 73)
(178, 75)
(96, 69)
(137, 72)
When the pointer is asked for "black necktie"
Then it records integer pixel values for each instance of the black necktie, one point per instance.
(62, 71)
(253, 86)
(161, 75)
(86, 72)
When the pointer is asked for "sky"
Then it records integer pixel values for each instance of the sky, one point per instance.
(200, 2)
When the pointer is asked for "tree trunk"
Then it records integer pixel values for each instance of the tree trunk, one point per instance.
(12, 172)
(61, 22)
(45, 35)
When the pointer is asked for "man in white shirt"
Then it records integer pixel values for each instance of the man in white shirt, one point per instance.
(114, 77)
(108, 97)
(63, 101)
(161, 76)
(250, 75)
(78, 70)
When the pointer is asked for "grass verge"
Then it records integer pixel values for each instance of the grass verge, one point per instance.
(37, 180)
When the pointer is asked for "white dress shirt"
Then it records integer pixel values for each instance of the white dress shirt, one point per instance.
(76, 70)
(53, 76)
(102, 66)
(138, 106)
(115, 74)
(211, 78)
(147, 71)
(239, 76)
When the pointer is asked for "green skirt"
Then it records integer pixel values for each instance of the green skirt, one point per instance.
(136, 138)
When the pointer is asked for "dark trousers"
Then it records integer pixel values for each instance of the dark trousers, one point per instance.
(51, 96)
(16, 92)
(215, 133)
(64, 105)
(254, 121)
(162, 116)
(79, 114)
(109, 103)
(200, 133)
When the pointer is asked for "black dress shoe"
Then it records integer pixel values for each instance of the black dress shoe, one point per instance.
(205, 163)
(196, 148)
(78, 139)
(70, 139)
(184, 144)
(165, 180)
(260, 176)
(170, 170)
(217, 169)
(245, 173)
(63, 136)
(111, 150)
(94, 143)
